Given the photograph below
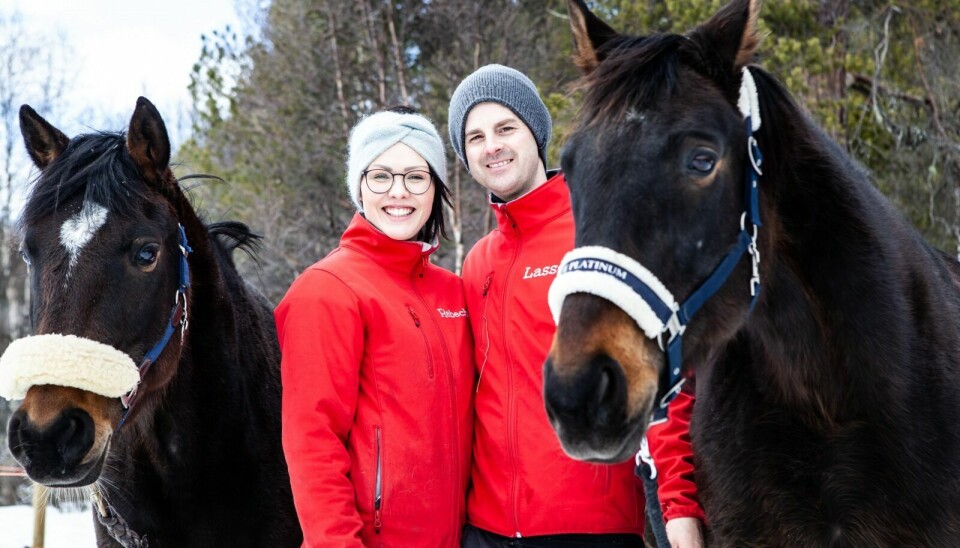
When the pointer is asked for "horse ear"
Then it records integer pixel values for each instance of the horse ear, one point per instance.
(589, 34)
(147, 141)
(732, 33)
(43, 141)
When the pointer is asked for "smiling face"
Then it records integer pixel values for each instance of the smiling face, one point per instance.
(397, 213)
(502, 152)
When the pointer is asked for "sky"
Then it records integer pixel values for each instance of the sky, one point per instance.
(122, 49)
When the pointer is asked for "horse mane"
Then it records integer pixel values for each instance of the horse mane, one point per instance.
(789, 132)
(233, 235)
(96, 164)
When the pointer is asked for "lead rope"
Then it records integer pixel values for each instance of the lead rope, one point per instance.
(116, 526)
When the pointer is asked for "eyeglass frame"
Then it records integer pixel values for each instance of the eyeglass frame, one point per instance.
(403, 180)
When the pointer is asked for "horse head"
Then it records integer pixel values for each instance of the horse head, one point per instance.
(656, 168)
(102, 237)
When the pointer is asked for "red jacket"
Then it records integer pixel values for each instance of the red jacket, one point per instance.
(523, 484)
(377, 374)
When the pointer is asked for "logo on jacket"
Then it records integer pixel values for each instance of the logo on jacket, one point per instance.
(540, 272)
(444, 313)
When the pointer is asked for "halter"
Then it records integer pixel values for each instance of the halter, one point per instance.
(622, 280)
(178, 319)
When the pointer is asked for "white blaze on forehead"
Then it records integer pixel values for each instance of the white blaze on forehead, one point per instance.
(79, 229)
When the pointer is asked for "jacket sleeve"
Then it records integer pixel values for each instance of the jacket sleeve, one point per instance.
(672, 454)
(321, 339)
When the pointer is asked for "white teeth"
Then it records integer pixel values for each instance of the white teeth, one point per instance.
(398, 211)
(498, 164)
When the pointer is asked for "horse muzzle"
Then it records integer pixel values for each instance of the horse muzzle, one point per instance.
(69, 386)
(65, 452)
(600, 380)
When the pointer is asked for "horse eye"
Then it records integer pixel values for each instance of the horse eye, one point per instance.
(24, 256)
(147, 255)
(703, 162)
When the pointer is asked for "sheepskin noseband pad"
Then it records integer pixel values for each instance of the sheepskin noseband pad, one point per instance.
(611, 275)
(65, 360)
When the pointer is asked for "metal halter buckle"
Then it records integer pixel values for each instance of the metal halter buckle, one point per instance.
(754, 161)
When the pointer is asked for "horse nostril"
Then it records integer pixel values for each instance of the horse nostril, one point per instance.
(14, 431)
(603, 385)
(73, 435)
(610, 403)
(595, 395)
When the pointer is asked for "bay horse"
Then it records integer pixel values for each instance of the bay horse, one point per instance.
(192, 457)
(827, 373)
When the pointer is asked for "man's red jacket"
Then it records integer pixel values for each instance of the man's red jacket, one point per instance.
(523, 484)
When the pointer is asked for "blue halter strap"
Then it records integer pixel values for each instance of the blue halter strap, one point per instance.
(178, 320)
(676, 323)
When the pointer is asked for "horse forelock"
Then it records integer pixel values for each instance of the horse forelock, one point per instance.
(633, 73)
(96, 166)
(638, 72)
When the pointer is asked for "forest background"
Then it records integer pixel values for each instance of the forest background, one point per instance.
(272, 108)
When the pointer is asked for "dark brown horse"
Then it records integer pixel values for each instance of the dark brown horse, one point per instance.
(113, 244)
(828, 407)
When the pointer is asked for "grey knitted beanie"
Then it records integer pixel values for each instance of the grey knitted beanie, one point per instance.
(505, 86)
(376, 133)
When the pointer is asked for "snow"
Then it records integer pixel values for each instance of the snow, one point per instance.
(68, 529)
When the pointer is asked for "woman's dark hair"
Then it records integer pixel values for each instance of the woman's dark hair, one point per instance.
(436, 226)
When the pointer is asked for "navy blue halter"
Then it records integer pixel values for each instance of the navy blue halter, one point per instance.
(178, 320)
(671, 378)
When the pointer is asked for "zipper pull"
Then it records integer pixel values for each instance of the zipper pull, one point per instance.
(376, 520)
(416, 319)
(486, 284)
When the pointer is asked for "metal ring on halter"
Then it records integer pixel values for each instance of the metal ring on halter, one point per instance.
(671, 393)
(184, 318)
(674, 327)
(743, 225)
(751, 145)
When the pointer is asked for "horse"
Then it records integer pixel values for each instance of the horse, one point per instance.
(827, 374)
(192, 455)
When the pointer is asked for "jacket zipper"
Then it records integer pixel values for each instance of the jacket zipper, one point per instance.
(426, 343)
(378, 488)
(484, 327)
(511, 395)
(455, 427)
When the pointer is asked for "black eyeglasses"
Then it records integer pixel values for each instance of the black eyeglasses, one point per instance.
(380, 181)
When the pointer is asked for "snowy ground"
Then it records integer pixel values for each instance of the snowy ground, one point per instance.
(64, 529)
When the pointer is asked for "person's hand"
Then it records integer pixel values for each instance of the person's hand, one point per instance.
(685, 533)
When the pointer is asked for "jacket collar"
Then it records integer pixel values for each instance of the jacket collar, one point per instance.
(533, 210)
(397, 255)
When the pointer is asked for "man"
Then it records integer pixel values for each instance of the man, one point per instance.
(525, 490)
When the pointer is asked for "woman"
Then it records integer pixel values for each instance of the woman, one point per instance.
(377, 357)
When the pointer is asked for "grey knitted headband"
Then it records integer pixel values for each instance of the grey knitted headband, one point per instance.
(376, 133)
(508, 87)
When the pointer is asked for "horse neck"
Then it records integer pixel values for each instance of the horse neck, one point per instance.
(226, 385)
(221, 361)
(843, 304)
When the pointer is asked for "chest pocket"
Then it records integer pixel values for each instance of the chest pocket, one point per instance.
(418, 323)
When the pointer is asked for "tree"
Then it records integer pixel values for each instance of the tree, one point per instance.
(273, 112)
(27, 69)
